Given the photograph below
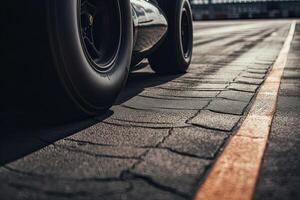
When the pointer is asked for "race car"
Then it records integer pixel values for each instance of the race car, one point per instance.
(72, 57)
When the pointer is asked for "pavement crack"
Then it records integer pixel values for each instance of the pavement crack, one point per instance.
(236, 100)
(179, 98)
(108, 145)
(241, 90)
(186, 154)
(226, 113)
(89, 153)
(131, 125)
(88, 142)
(140, 122)
(33, 175)
(96, 155)
(155, 184)
(245, 82)
(138, 109)
(211, 128)
(192, 89)
(156, 109)
(162, 97)
(165, 137)
(156, 146)
(197, 113)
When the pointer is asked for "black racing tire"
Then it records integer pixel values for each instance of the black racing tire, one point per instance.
(175, 54)
(48, 65)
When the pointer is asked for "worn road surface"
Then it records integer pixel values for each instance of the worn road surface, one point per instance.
(164, 134)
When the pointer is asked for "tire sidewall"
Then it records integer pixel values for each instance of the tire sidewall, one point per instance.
(90, 89)
(185, 4)
(180, 5)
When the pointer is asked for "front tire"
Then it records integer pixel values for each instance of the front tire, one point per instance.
(175, 54)
(57, 71)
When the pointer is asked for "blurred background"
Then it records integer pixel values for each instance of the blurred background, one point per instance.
(245, 9)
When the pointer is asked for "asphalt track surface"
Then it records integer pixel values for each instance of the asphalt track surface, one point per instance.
(165, 133)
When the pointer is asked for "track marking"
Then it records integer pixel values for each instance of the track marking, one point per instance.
(236, 171)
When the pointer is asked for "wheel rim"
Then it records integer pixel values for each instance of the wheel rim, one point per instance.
(101, 31)
(185, 33)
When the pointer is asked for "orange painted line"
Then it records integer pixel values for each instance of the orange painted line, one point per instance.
(235, 173)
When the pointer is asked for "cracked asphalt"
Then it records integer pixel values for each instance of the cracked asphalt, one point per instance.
(162, 136)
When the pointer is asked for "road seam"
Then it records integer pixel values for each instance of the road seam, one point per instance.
(236, 171)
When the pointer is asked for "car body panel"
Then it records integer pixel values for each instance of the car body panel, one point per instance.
(150, 27)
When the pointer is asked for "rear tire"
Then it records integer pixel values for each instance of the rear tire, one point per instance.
(175, 54)
(48, 68)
